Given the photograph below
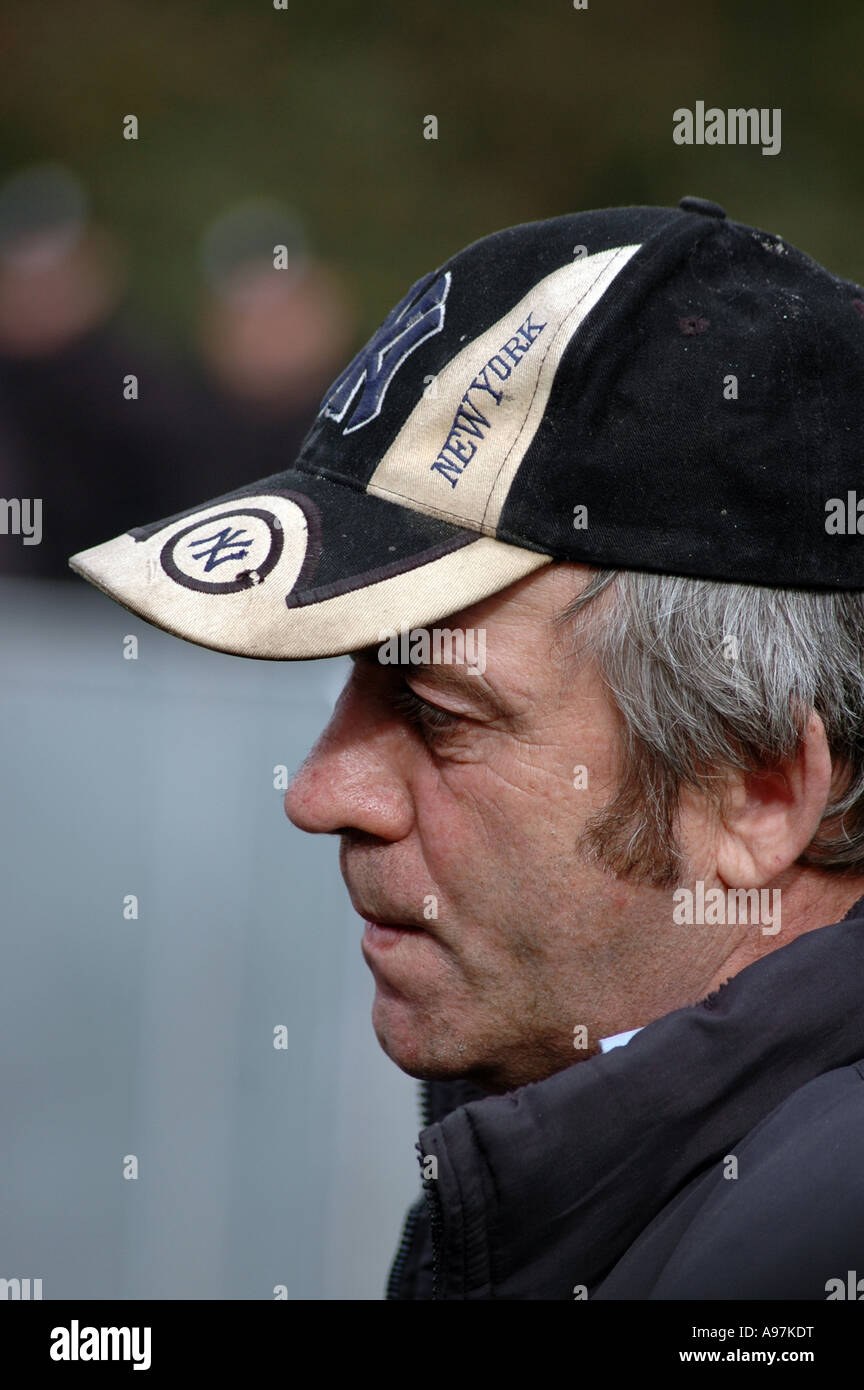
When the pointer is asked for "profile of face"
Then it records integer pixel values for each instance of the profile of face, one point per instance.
(502, 951)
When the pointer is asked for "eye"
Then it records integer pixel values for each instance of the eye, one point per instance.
(430, 719)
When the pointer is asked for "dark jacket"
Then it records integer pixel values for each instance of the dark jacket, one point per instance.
(617, 1175)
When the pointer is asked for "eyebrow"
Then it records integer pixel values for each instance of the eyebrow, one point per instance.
(442, 675)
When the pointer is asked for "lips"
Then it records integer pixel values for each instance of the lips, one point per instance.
(381, 935)
(383, 919)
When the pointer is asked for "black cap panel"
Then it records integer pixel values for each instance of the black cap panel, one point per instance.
(704, 417)
(455, 304)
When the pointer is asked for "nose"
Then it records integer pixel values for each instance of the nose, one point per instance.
(354, 778)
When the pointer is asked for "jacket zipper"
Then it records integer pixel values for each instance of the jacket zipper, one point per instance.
(397, 1268)
(433, 1197)
(414, 1212)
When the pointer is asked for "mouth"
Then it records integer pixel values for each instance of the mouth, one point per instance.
(383, 935)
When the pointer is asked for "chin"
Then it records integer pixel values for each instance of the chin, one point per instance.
(423, 1047)
(434, 1048)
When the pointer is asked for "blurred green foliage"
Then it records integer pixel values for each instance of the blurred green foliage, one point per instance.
(542, 109)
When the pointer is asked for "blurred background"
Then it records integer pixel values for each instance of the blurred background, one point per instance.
(152, 357)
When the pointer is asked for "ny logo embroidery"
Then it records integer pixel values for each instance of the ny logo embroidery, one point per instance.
(219, 541)
(407, 326)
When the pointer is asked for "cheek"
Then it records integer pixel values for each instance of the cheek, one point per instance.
(462, 830)
(483, 833)
(452, 814)
(495, 812)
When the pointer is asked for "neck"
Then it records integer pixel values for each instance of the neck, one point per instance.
(811, 898)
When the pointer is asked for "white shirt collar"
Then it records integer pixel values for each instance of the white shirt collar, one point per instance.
(618, 1040)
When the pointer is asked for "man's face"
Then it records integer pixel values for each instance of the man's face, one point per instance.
(459, 803)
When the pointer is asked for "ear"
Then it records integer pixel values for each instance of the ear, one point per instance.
(771, 817)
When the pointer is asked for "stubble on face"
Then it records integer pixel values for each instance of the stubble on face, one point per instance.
(532, 948)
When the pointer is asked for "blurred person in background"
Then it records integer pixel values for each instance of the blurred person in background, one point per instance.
(73, 433)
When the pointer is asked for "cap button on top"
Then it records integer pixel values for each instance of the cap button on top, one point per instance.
(703, 206)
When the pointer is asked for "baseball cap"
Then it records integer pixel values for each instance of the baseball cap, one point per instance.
(647, 388)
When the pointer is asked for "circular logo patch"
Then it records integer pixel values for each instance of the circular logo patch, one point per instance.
(225, 553)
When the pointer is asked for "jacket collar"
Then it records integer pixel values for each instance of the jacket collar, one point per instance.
(546, 1187)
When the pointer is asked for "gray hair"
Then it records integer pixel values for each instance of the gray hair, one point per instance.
(709, 676)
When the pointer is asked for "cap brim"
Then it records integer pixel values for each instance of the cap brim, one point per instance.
(299, 566)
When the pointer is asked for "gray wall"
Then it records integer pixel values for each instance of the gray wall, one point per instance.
(154, 1037)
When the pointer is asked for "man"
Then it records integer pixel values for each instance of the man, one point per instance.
(606, 827)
